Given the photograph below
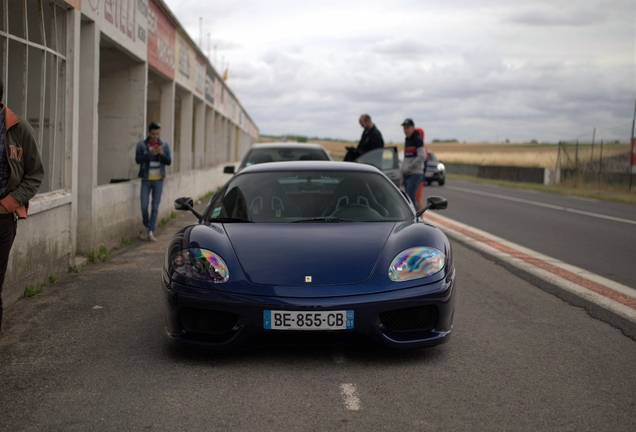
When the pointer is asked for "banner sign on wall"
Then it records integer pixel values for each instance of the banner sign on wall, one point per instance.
(184, 61)
(160, 41)
(209, 85)
(199, 75)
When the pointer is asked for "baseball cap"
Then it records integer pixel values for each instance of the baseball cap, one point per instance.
(408, 122)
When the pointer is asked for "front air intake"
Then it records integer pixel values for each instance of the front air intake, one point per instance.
(206, 321)
(414, 319)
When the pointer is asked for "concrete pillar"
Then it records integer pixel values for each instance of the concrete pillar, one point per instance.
(227, 140)
(87, 134)
(185, 147)
(199, 134)
(219, 155)
(122, 118)
(167, 117)
(72, 125)
(209, 137)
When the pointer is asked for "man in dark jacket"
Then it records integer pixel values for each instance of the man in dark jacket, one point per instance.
(21, 173)
(152, 155)
(371, 136)
(413, 164)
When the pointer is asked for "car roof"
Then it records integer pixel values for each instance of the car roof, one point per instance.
(310, 166)
(292, 145)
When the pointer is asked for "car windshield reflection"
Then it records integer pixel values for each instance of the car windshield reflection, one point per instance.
(309, 196)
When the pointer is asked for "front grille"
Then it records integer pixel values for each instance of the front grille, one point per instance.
(420, 318)
(207, 321)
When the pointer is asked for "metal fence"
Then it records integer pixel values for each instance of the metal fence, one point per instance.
(585, 163)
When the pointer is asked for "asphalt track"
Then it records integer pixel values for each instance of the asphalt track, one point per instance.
(594, 235)
(90, 354)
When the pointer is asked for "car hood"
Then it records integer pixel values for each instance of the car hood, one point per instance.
(315, 254)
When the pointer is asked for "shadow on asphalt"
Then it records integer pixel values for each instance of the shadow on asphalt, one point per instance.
(284, 352)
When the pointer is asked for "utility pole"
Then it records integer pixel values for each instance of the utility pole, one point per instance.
(632, 153)
(209, 58)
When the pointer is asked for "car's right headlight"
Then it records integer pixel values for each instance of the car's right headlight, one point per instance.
(200, 264)
(416, 263)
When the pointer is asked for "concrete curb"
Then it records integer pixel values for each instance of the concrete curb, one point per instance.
(602, 298)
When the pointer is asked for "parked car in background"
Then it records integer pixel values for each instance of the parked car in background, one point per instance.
(435, 170)
(280, 152)
(297, 250)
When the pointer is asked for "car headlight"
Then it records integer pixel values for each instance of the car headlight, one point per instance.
(440, 167)
(200, 264)
(416, 263)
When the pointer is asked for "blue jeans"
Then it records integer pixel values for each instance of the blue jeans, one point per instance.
(156, 187)
(411, 183)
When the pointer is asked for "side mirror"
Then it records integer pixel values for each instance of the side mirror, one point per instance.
(435, 203)
(229, 169)
(186, 203)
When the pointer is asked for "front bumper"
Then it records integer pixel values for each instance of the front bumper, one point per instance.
(222, 320)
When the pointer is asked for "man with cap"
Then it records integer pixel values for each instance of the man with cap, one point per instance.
(152, 155)
(412, 168)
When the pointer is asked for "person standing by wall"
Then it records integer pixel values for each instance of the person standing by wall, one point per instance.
(413, 164)
(21, 173)
(152, 155)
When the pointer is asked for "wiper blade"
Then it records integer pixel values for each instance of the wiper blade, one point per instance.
(323, 219)
(229, 220)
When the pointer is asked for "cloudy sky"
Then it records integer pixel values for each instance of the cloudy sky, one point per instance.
(473, 70)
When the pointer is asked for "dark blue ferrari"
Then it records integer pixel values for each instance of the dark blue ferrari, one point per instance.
(326, 250)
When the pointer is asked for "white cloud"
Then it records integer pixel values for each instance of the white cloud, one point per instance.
(471, 70)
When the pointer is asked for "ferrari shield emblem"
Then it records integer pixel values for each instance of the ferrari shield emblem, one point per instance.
(307, 278)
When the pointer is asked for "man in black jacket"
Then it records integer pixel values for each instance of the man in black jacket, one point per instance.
(21, 173)
(371, 137)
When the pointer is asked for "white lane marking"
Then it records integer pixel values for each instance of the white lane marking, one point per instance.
(540, 204)
(351, 399)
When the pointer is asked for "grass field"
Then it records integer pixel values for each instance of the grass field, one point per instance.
(528, 155)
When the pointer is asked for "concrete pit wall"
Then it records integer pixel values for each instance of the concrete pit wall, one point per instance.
(118, 210)
(41, 247)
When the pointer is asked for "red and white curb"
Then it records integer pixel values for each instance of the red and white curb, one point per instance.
(615, 297)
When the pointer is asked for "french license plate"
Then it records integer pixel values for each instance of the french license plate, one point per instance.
(304, 320)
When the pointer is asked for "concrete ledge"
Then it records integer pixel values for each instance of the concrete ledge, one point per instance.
(49, 200)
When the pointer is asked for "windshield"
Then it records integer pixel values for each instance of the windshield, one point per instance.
(309, 196)
(257, 156)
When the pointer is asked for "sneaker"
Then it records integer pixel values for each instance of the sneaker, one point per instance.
(151, 236)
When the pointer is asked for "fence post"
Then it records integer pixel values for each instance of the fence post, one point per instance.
(600, 165)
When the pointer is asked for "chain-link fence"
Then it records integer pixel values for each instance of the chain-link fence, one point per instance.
(603, 164)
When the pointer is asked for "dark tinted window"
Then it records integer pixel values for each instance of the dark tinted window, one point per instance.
(301, 196)
(257, 156)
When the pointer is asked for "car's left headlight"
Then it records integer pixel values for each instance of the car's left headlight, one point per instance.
(416, 263)
(440, 167)
(200, 264)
